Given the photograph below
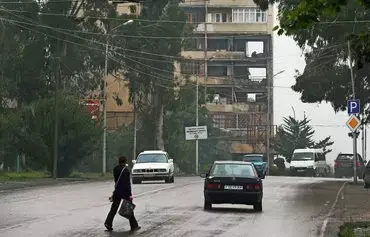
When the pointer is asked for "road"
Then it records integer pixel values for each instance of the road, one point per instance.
(293, 206)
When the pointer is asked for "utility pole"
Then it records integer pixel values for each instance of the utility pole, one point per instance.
(104, 160)
(135, 125)
(354, 134)
(197, 124)
(268, 127)
(56, 115)
(363, 142)
(365, 157)
(205, 49)
(104, 164)
(268, 117)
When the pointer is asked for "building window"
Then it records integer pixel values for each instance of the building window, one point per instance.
(217, 17)
(192, 18)
(249, 15)
(132, 9)
(219, 121)
(192, 67)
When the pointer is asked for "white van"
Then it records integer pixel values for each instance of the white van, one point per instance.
(311, 162)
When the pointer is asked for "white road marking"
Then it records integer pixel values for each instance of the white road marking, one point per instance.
(331, 210)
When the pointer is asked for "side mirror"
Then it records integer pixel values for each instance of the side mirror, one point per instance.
(204, 175)
(133, 161)
(170, 161)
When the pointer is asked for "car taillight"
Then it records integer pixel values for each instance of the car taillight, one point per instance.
(337, 164)
(257, 187)
(214, 186)
(253, 187)
(358, 164)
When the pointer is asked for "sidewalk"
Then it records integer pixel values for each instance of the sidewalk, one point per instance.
(24, 184)
(353, 206)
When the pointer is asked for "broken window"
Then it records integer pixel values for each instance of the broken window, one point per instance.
(254, 49)
(257, 74)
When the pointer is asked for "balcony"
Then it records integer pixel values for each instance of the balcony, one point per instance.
(217, 3)
(236, 107)
(253, 28)
(224, 55)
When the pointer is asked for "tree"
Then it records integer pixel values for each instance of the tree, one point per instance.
(78, 137)
(39, 36)
(297, 134)
(149, 65)
(322, 29)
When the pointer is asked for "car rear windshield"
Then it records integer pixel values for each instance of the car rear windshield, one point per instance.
(232, 170)
(152, 158)
(303, 156)
(345, 157)
(253, 158)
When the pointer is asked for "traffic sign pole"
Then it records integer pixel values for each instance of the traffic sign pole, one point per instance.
(350, 109)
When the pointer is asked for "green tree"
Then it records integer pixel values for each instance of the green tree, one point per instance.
(40, 35)
(322, 29)
(78, 137)
(297, 134)
(149, 64)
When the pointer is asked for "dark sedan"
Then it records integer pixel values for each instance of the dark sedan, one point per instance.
(343, 165)
(233, 182)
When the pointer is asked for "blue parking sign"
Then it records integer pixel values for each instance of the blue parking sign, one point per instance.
(353, 106)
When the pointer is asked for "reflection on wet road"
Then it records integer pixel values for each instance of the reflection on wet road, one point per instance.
(292, 206)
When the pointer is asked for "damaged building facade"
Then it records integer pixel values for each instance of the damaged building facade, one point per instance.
(231, 54)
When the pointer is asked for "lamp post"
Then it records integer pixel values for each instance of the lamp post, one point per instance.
(269, 87)
(104, 167)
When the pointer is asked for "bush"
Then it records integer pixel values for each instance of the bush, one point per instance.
(348, 229)
(78, 135)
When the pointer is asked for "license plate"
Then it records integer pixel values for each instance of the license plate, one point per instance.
(300, 170)
(233, 187)
(147, 175)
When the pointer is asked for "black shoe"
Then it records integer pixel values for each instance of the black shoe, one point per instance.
(135, 228)
(109, 228)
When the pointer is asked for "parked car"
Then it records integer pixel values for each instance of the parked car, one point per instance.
(311, 162)
(153, 165)
(259, 162)
(366, 175)
(233, 182)
(343, 165)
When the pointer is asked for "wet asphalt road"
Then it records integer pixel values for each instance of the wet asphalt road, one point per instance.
(292, 206)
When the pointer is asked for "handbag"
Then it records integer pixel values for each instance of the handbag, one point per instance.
(127, 207)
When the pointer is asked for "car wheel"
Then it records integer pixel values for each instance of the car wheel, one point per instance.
(207, 205)
(172, 179)
(168, 180)
(366, 185)
(136, 181)
(258, 206)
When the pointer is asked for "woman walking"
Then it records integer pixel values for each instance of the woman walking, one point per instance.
(122, 191)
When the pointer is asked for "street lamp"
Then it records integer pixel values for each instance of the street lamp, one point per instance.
(104, 168)
(269, 86)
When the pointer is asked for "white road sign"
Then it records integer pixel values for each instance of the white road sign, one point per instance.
(194, 133)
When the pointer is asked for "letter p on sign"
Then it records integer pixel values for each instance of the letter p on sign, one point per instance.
(353, 107)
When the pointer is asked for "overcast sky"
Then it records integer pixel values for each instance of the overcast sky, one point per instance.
(287, 56)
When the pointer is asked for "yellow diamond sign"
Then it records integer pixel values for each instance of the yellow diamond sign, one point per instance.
(353, 123)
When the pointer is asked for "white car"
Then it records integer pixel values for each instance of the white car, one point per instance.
(153, 165)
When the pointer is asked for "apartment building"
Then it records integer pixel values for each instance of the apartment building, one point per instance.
(231, 53)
